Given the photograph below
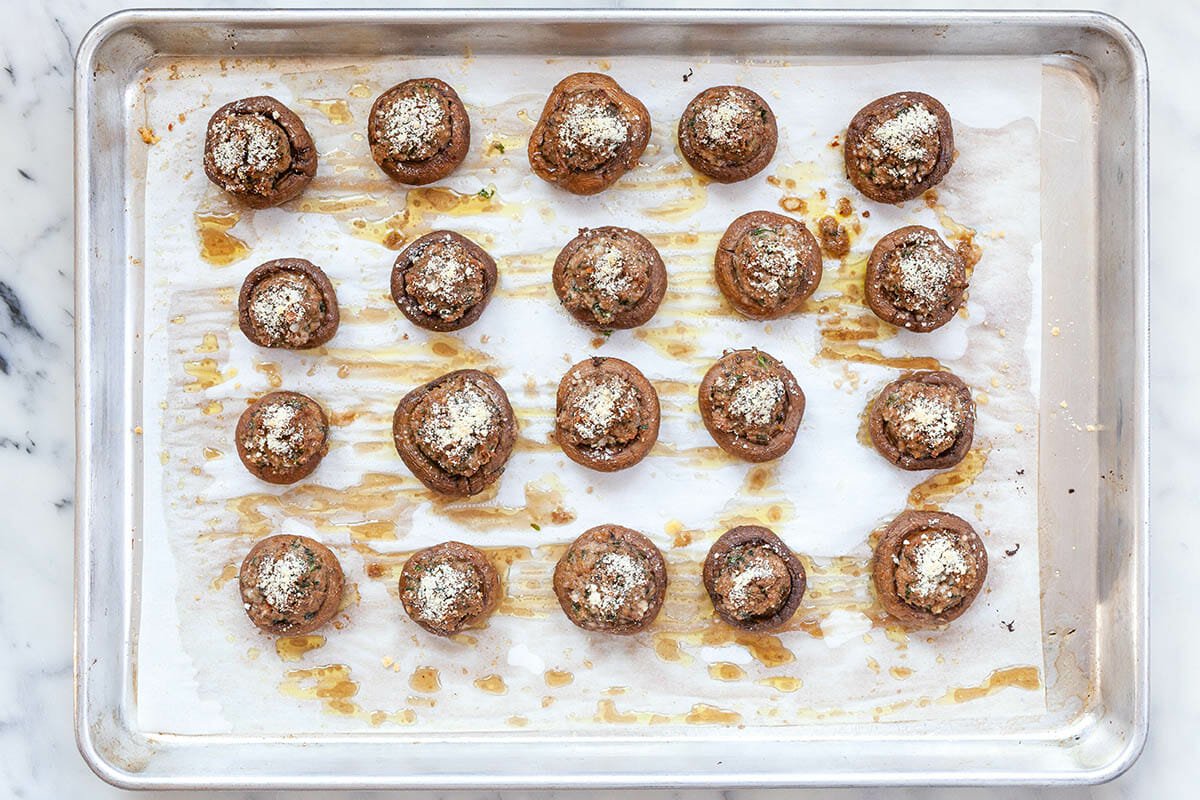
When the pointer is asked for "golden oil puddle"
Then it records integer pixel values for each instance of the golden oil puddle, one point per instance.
(208, 344)
(337, 204)
(766, 649)
(900, 673)
(212, 407)
(361, 91)
(516, 722)
(960, 234)
(206, 373)
(333, 687)
(228, 573)
(782, 683)
(271, 370)
(424, 202)
(293, 648)
(555, 678)
(725, 671)
(336, 111)
(544, 502)
(1027, 678)
(929, 494)
(425, 679)
(217, 245)
(492, 684)
(503, 145)
(372, 531)
(700, 714)
(674, 340)
(211, 453)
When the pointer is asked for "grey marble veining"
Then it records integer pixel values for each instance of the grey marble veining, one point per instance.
(37, 751)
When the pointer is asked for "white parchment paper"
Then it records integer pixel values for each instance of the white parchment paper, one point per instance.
(203, 668)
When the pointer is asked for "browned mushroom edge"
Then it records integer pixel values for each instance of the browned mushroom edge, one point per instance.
(486, 585)
(447, 156)
(746, 238)
(884, 176)
(426, 469)
(311, 449)
(411, 307)
(606, 309)
(884, 442)
(606, 459)
(946, 292)
(568, 578)
(298, 167)
(885, 560)
(290, 602)
(742, 147)
(316, 277)
(734, 364)
(753, 536)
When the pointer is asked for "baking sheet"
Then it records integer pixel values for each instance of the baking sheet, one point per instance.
(203, 668)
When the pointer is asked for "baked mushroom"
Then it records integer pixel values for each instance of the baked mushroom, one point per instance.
(612, 580)
(898, 146)
(443, 281)
(767, 264)
(259, 151)
(754, 580)
(288, 303)
(419, 131)
(728, 133)
(456, 432)
(282, 437)
(923, 420)
(751, 404)
(290, 585)
(590, 133)
(928, 568)
(610, 278)
(915, 280)
(449, 587)
(606, 414)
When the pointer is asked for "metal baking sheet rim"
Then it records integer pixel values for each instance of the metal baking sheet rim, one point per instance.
(105, 494)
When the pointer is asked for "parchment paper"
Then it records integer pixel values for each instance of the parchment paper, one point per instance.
(203, 668)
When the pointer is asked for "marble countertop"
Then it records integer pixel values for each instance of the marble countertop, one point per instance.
(37, 749)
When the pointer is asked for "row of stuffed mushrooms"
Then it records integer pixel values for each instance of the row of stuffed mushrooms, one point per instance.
(927, 569)
(590, 133)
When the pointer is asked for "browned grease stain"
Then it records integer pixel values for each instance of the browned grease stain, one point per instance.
(218, 246)
(293, 648)
(336, 111)
(1028, 678)
(782, 683)
(556, 678)
(411, 362)
(931, 493)
(725, 671)
(962, 236)
(425, 679)
(271, 370)
(492, 684)
(847, 326)
(765, 648)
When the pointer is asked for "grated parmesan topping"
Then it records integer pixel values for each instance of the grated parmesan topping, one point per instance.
(775, 260)
(924, 272)
(937, 562)
(723, 119)
(411, 122)
(440, 589)
(756, 570)
(933, 419)
(621, 574)
(593, 127)
(459, 423)
(601, 405)
(608, 273)
(279, 306)
(900, 136)
(754, 401)
(244, 143)
(280, 434)
(279, 579)
(443, 273)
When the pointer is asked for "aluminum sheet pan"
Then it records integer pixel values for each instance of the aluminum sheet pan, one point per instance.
(1092, 538)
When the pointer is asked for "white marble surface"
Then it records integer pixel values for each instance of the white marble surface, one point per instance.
(37, 750)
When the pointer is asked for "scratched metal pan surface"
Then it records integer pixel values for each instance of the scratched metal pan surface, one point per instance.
(1092, 492)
